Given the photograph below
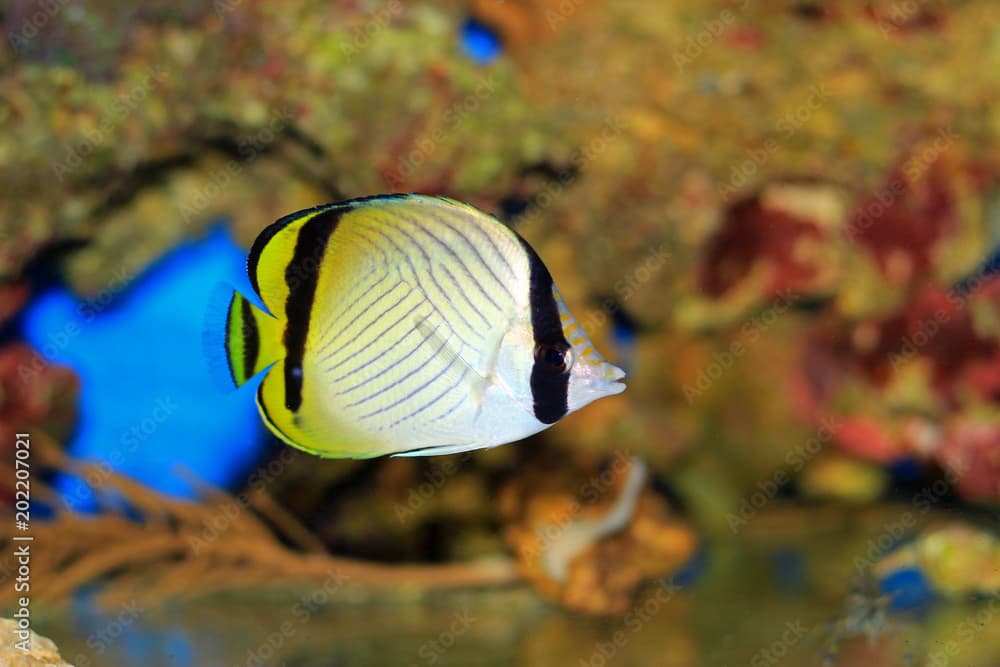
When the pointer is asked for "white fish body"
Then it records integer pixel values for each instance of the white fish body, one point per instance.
(408, 325)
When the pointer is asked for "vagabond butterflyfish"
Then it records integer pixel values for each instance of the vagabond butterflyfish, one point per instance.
(407, 325)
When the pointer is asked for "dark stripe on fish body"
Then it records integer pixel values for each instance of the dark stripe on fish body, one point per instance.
(549, 389)
(302, 277)
(448, 249)
(434, 400)
(251, 338)
(486, 235)
(461, 291)
(262, 404)
(385, 370)
(411, 394)
(265, 236)
(374, 340)
(370, 361)
(339, 317)
(357, 335)
(228, 337)
(482, 260)
(444, 295)
(392, 385)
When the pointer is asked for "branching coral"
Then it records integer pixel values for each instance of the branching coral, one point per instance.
(155, 548)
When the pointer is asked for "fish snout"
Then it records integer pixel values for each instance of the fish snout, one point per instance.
(605, 379)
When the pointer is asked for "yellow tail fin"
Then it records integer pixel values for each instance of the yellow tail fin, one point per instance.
(241, 339)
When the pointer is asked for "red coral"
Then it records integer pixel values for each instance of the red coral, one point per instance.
(972, 454)
(866, 349)
(936, 328)
(867, 439)
(752, 233)
(902, 222)
(939, 328)
(936, 325)
(983, 376)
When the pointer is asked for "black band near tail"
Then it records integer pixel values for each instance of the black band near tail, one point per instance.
(251, 338)
(302, 277)
(549, 387)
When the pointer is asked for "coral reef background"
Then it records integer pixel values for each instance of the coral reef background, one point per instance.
(782, 217)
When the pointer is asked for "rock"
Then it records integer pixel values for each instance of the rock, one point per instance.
(41, 651)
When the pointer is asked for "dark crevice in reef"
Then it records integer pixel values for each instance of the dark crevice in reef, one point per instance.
(226, 140)
(534, 180)
(126, 186)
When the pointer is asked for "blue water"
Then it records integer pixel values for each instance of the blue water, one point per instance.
(908, 588)
(479, 42)
(148, 407)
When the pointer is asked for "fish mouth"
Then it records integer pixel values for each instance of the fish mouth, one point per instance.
(610, 381)
(612, 373)
(611, 388)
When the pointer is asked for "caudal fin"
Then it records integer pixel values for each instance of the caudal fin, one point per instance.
(241, 340)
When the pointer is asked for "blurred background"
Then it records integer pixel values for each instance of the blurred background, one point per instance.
(783, 218)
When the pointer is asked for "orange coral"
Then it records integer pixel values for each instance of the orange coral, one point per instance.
(548, 508)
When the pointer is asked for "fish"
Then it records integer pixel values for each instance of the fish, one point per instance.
(404, 325)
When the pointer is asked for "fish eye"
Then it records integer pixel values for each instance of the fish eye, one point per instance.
(556, 358)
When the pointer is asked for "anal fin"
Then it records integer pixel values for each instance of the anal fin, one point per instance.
(439, 450)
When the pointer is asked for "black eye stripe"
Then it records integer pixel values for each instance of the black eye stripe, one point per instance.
(554, 357)
(557, 359)
(549, 388)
